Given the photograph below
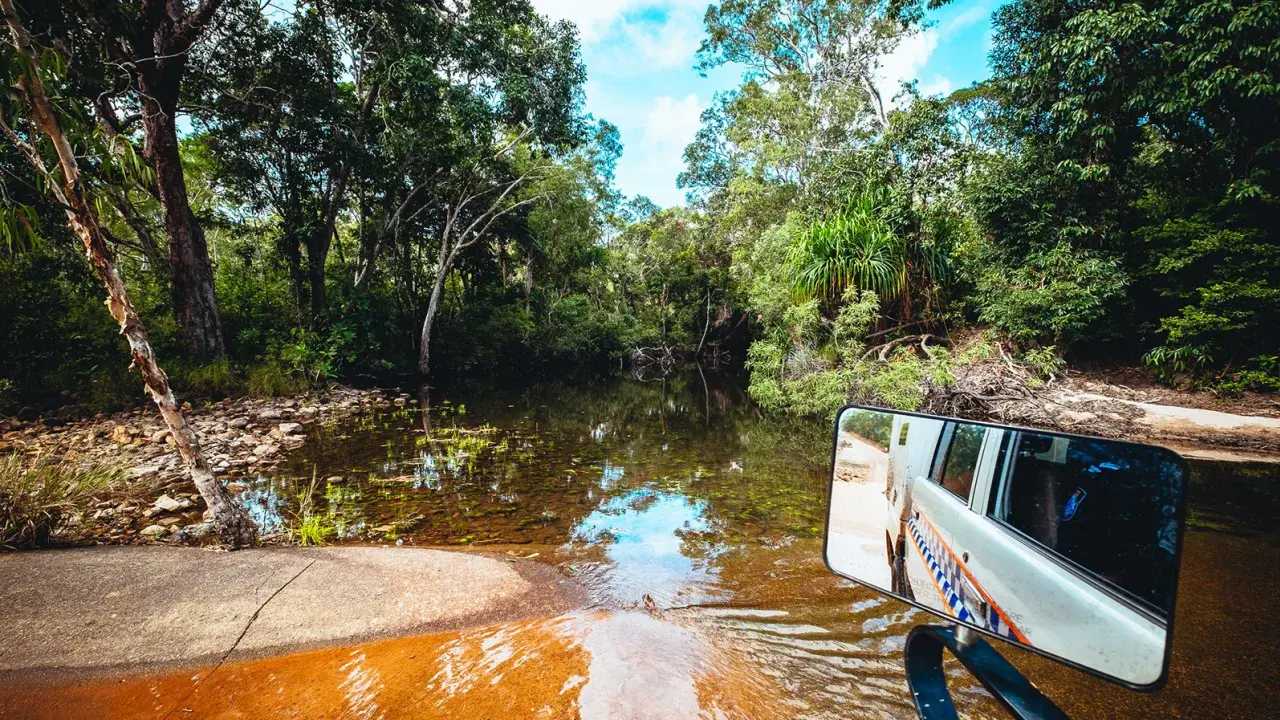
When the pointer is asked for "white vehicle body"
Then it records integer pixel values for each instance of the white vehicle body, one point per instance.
(961, 561)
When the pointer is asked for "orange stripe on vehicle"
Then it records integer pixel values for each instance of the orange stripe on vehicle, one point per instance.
(941, 593)
(1003, 617)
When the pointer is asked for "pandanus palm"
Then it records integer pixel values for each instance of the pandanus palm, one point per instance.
(856, 247)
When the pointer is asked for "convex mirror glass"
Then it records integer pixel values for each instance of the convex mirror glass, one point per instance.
(1064, 544)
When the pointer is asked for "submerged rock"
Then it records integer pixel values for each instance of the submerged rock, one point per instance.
(195, 531)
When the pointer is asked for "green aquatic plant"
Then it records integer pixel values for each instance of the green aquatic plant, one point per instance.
(312, 531)
(309, 528)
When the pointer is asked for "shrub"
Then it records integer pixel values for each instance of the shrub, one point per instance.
(1049, 296)
(35, 499)
(1045, 362)
(1168, 362)
(217, 378)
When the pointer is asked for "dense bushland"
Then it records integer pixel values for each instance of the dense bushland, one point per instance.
(379, 190)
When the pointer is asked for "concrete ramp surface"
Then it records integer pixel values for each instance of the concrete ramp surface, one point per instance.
(128, 607)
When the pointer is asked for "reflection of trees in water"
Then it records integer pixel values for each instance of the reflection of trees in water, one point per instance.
(528, 465)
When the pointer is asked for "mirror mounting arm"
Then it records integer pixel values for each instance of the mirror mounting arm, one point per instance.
(928, 683)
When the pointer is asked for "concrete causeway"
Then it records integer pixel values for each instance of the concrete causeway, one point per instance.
(125, 608)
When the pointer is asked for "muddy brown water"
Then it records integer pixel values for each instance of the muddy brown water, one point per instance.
(695, 526)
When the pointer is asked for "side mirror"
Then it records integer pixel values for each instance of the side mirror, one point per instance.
(1063, 544)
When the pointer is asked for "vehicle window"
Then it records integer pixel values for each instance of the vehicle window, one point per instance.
(1109, 509)
(962, 459)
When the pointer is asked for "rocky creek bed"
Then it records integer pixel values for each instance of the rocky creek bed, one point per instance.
(155, 499)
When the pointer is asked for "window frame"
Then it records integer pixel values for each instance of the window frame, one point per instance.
(941, 458)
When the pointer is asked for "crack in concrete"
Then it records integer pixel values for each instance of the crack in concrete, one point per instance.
(236, 644)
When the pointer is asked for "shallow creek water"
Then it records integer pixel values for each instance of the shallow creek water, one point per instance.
(695, 527)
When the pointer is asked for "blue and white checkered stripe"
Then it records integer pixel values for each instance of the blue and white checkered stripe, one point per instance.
(940, 573)
(946, 573)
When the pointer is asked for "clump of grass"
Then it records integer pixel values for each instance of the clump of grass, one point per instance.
(216, 378)
(311, 529)
(37, 498)
(269, 379)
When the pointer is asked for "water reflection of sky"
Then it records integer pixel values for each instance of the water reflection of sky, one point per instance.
(641, 532)
(265, 504)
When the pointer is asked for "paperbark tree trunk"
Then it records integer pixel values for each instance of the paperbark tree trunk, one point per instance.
(437, 291)
(232, 523)
(166, 34)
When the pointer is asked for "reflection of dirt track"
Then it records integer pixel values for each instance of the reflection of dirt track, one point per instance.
(855, 543)
(858, 461)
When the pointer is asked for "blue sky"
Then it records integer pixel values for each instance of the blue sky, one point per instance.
(640, 55)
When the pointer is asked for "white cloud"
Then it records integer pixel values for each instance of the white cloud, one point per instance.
(904, 63)
(655, 146)
(668, 45)
(913, 53)
(595, 17)
(973, 14)
(939, 85)
(671, 124)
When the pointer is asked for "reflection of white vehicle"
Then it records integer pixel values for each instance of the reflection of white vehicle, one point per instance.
(1022, 535)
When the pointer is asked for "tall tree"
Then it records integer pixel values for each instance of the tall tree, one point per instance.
(69, 190)
(456, 81)
(129, 60)
(155, 54)
(285, 124)
(477, 196)
(1144, 135)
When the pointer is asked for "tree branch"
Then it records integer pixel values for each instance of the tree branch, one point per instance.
(195, 21)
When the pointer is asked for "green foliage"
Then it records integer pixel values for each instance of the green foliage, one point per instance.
(36, 498)
(873, 425)
(308, 526)
(19, 227)
(1045, 362)
(1170, 362)
(898, 383)
(57, 342)
(1111, 190)
(1261, 374)
(217, 378)
(854, 321)
(317, 357)
(1142, 136)
(1052, 296)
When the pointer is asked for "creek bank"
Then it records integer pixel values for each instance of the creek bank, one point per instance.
(242, 437)
(127, 609)
(1092, 413)
(1002, 392)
